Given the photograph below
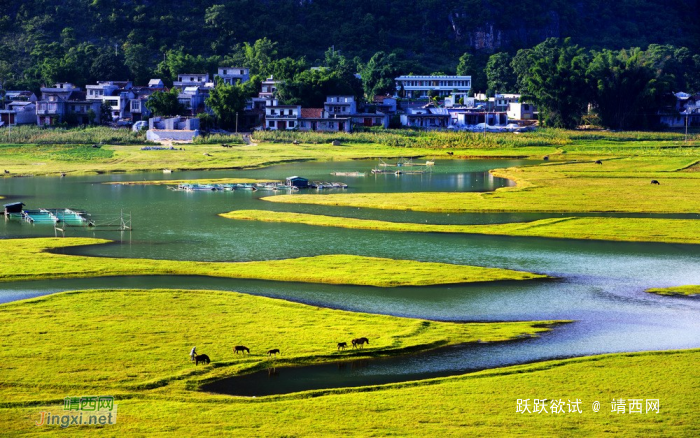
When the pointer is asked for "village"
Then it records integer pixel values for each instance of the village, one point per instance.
(428, 102)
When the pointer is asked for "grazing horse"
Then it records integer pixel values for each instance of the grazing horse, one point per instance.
(655, 182)
(273, 351)
(201, 358)
(598, 161)
(342, 345)
(450, 153)
(546, 158)
(241, 348)
(360, 342)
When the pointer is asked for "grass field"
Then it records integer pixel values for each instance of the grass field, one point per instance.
(31, 260)
(618, 185)
(690, 290)
(593, 228)
(134, 345)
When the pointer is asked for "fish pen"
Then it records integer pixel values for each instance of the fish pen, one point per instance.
(403, 167)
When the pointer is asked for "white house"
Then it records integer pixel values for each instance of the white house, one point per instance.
(340, 106)
(281, 117)
(231, 75)
(421, 86)
(116, 94)
(201, 80)
(314, 119)
(426, 118)
(520, 111)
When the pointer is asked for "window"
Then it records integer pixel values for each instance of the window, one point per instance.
(242, 72)
(291, 124)
(270, 124)
(224, 71)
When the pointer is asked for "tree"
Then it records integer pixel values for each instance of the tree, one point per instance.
(165, 103)
(226, 100)
(378, 75)
(108, 66)
(557, 85)
(310, 88)
(628, 87)
(136, 58)
(499, 73)
(525, 58)
(474, 66)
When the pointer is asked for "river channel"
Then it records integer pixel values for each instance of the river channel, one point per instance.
(600, 285)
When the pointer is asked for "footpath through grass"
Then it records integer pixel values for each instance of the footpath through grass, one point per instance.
(689, 290)
(617, 185)
(31, 260)
(593, 228)
(134, 340)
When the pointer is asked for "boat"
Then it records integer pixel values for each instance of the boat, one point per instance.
(167, 171)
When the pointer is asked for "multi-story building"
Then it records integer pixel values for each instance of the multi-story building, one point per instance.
(340, 106)
(414, 87)
(231, 75)
(282, 117)
(201, 80)
(64, 102)
(115, 94)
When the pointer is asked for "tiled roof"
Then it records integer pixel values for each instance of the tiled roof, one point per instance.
(311, 113)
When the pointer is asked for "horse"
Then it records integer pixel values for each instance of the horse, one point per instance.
(546, 158)
(450, 153)
(201, 358)
(241, 348)
(360, 342)
(273, 351)
(598, 161)
(342, 345)
(655, 182)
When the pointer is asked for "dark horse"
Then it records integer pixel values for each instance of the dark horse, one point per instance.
(342, 345)
(655, 182)
(598, 161)
(241, 348)
(274, 351)
(201, 358)
(360, 342)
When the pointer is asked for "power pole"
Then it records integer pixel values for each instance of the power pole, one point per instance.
(236, 122)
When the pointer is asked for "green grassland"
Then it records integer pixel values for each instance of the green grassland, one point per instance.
(50, 152)
(618, 185)
(689, 290)
(34, 259)
(129, 340)
(594, 228)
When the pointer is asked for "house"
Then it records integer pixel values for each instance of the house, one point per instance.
(282, 117)
(137, 105)
(414, 87)
(64, 102)
(521, 111)
(371, 119)
(20, 96)
(315, 119)
(156, 83)
(115, 94)
(684, 112)
(474, 120)
(200, 80)
(232, 75)
(192, 98)
(426, 118)
(297, 181)
(454, 100)
(173, 128)
(18, 113)
(341, 106)
(385, 104)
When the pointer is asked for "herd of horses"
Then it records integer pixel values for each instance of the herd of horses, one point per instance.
(203, 358)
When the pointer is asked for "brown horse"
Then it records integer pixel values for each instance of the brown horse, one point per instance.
(201, 358)
(342, 345)
(360, 342)
(274, 351)
(241, 348)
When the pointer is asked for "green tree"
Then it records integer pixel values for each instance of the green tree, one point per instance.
(136, 58)
(499, 73)
(310, 88)
(628, 87)
(474, 66)
(226, 100)
(165, 103)
(557, 85)
(108, 66)
(378, 75)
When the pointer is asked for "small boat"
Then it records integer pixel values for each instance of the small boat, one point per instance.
(167, 171)
(430, 163)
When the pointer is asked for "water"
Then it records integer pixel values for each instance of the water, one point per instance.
(600, 284)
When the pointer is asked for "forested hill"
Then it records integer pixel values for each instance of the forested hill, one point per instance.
(429, 35)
